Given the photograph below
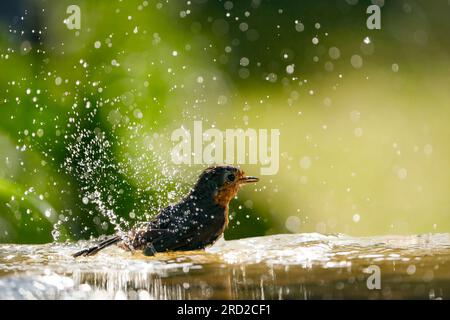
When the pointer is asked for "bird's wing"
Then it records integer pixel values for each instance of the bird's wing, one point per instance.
(173, 228)
(190, 228)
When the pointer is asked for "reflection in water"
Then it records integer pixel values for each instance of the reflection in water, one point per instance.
(301, 266)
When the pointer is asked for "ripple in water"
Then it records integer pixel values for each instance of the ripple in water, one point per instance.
(296, 266)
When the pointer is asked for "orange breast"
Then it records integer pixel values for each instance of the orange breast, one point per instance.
(223, 198)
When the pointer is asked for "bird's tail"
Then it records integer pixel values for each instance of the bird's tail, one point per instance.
(102, 245)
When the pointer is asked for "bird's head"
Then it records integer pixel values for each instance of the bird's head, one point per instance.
(222, 183)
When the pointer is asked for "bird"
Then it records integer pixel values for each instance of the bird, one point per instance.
(194, 223)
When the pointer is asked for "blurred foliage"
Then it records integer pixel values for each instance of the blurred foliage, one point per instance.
(87, 114)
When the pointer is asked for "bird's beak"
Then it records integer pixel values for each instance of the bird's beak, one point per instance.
(248, 179)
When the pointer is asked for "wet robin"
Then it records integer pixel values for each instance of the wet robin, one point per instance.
(195, 222)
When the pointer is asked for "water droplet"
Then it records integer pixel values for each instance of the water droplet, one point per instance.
(411, 269)
(402, 173)
(299, 27)
(243, 26)
(290, 69)
(244, 61)
(305, 163)
(334, 53)
(356, 61)
(48, 213)
(293, 224)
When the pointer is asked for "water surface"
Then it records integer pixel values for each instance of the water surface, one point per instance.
(294, 266)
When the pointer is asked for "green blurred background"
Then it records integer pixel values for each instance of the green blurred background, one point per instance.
(86, 115)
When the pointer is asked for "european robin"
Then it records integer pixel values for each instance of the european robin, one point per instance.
(195, 222)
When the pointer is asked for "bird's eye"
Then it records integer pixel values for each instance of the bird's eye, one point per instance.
(231, 177)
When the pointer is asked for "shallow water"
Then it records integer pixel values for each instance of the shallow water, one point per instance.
(295, 266)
